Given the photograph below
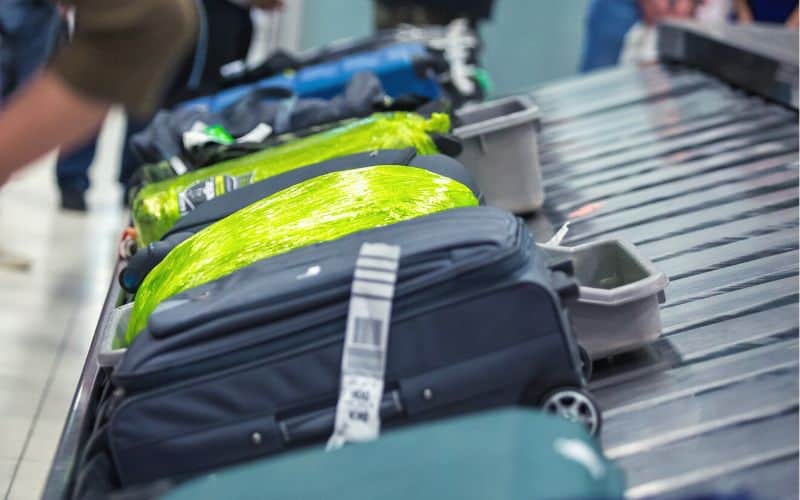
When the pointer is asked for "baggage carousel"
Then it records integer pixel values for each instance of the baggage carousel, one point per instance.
(702, 175)
(703, 178)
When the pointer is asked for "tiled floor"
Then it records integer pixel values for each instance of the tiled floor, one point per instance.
(47, 313)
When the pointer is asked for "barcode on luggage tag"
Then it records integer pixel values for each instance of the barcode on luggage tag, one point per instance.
(366, 335)
(367, 331)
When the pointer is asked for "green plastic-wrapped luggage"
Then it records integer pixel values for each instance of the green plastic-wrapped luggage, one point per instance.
(157, 206)
(320, 209)
(510, 454)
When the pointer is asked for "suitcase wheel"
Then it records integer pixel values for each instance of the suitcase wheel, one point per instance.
(576, 405)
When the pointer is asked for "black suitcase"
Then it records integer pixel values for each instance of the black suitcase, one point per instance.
(210, 211)
(249, 365)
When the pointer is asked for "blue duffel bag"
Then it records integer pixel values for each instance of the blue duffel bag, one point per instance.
(403, 69)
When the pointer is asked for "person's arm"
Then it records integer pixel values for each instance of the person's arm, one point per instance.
(121, 52)
(743, 13)
(793, 20)
(42, 116)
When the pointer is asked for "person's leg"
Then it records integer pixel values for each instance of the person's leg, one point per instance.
(72, 170)
(129, 162)
(72, 173)
(607, 23)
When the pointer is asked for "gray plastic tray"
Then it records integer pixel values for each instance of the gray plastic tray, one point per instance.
(501, 151)
(114, 327)
(620, 293)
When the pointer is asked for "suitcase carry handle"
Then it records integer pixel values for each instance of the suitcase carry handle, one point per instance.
(319, 424)
(514, 366)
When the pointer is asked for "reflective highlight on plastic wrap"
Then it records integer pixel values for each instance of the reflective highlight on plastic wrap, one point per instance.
(320, 209)
(158, 206)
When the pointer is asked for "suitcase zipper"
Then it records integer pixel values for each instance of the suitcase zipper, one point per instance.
(418, 229)
(515, 257)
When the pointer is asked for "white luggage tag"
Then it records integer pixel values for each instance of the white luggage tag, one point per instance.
(366, 340)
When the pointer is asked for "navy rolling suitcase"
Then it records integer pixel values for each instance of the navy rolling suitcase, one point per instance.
(210, 211)
(249, 365)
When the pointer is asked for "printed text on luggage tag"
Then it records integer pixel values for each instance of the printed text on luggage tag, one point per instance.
(366, 339)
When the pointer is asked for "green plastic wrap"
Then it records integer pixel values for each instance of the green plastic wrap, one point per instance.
(320, 209)
(158, 206)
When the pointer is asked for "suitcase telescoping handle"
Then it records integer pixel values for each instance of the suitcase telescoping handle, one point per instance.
(318, 425)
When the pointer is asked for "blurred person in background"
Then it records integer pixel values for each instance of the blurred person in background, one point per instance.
(224, 35)
(609, 21)
(624, 30)
(120, 52)
(28, 31)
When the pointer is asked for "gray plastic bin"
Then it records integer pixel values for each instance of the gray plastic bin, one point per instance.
(114, 327)
(501, 151)
(620, 293)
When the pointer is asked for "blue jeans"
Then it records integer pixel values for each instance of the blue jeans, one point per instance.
(772, 11)
(607, 23)
(29, 30)
(72, 170)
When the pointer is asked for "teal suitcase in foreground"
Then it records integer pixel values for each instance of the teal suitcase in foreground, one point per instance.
(508, 454)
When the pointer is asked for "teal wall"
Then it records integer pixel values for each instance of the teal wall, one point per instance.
(527, 42)
(326, 20)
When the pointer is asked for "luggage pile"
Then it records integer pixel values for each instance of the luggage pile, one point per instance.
(339, 274)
